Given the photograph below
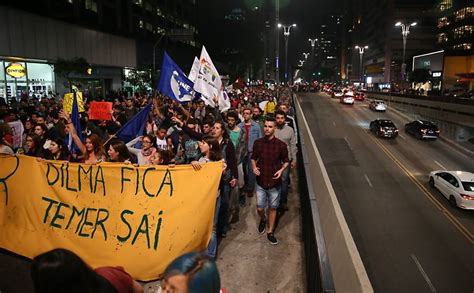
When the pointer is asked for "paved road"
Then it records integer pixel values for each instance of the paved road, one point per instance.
(408, 236)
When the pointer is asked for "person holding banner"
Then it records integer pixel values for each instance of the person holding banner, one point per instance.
(210, 152)
(229, 178)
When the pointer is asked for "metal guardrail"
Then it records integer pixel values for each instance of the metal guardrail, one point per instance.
(452, 100)
(318, 269)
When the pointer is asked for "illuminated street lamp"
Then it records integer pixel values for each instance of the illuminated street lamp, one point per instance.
(313, 43)
(361, 57)
(405, 32)
(305, 56)
(286, 33)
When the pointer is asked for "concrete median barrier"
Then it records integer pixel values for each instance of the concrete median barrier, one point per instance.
(336, 248)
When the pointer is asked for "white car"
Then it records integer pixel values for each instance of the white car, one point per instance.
(456, 186)
(347, 98)
(378, 105)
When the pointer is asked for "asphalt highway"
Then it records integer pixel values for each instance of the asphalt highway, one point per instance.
(410, 239)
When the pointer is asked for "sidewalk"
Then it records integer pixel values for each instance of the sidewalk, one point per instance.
(249, 263)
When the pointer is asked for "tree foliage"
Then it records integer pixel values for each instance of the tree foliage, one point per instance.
(67, 67)
(140, 79)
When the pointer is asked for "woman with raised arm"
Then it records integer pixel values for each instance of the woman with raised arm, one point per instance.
(93, 150)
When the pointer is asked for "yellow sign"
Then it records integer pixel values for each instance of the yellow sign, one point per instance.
(15, 70)
(110, 214)
(68, 100)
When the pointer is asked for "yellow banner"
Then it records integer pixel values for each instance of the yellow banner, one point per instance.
(110, 214)
(68, 100)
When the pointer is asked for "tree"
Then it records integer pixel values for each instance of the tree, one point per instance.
(140, 79)
(67, 68)
(419, 75)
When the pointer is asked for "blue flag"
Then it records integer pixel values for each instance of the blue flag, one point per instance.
(76, 122)
(134, 127)
(174, 83)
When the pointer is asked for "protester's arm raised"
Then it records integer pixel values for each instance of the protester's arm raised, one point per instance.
(72, 129)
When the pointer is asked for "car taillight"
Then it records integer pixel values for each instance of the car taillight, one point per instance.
(437, 131)
(396, 130)
(468, 197)
(381, 129)
(424, 130)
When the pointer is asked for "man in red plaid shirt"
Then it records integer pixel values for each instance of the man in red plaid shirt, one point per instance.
(269, 159)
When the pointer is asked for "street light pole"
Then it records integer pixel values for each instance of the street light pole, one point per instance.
(361, 57)
(286, 34)
(313, 43)
(277, 45)
(405, 33)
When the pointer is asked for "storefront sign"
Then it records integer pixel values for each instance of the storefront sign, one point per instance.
(436, 74)
(15, 70)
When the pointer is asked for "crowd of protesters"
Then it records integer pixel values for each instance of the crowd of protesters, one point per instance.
(256, 138)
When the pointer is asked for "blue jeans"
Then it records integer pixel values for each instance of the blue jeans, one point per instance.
(248, 173)
(212, 246)
(268, 197)
(223, 220)
(285, 180)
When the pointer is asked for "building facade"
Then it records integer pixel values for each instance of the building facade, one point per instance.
(455, 36)
(110, 35)
(374, 26)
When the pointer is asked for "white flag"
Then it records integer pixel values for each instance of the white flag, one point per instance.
(224, 101)
(194, 70)
(208, 81)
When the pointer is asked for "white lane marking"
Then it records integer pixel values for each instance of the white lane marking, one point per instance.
(368, 180)
(402, 136)
(423, 273)
(439, 164)
(334, 123)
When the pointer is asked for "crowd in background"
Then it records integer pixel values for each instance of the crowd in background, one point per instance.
(190, 133)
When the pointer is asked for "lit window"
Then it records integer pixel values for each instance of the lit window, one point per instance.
(463, 31)
(443, 21)
(442, 38)
(445, 4)
(91, 5)
(464, 13)
(140, 24)
(139, 2)
(159, 12)
(464, 46)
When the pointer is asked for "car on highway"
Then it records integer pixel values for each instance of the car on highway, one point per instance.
(422, 129)
(456, 186)
(347, 98)
(337, 93)
(359, 96)
(383, 128)
(378, 105)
